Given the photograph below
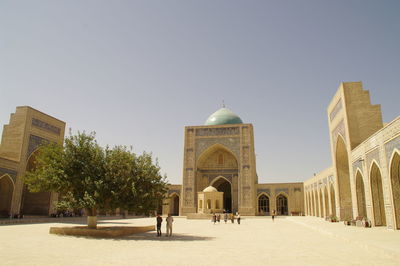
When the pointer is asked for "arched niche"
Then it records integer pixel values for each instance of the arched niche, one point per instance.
(395, 183)
(35, 203)
(333, 200)
(223, 185)
(263, 204)
(343, 180)
(6, 194)
(326, 201)
(218, 166)
(174, 204)
(282, 204)
(360, 191)
(378, 204)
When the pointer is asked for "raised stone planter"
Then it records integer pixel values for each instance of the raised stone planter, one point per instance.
(101, 231)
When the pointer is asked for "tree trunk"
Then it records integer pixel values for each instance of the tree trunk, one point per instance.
(92, 218)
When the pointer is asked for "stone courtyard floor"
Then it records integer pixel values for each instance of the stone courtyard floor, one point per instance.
(257, 241)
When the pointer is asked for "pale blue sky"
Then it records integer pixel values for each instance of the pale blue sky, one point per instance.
(137, 72)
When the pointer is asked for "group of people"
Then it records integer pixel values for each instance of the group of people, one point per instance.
(169, 220)
(217, 217)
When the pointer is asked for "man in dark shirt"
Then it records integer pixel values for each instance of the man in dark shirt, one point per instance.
(159, 221)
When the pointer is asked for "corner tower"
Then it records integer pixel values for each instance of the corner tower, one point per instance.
(220, 154)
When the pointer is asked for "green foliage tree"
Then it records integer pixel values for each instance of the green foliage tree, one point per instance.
(90, 177)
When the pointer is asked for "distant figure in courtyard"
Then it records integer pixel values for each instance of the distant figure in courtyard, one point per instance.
(214, 218)
(219, 218)
(225, 217)
(159, 221)
(273, 215)
(232, 218)
(169, 221)
(238, 217)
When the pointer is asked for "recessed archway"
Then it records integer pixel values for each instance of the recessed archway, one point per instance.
(343, 179)
(35, 203)
(333, 200)
(377, 195)
(315, 201)
(312, 211)
(395, 182)
(174, 204)
(282, 204)
(360, 191)
(326, 201)
(320, 203)
(6, 193)
(220, 164)
(223, 185)
(263, 205)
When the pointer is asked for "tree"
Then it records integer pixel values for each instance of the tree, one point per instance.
(90, 177)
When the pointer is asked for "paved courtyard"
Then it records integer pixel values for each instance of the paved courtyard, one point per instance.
(257, 241)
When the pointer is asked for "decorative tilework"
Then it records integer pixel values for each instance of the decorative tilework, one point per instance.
(390, 146)
(217, 131)
(34, 143)
(336, 110)
(11, 173)
(46, 126)
(263, 190)
(231, 143)
(340, 128)
(372, 155)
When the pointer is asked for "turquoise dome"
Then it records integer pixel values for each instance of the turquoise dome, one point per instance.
(223, 116)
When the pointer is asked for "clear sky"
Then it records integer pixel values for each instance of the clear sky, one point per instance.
(137, 72)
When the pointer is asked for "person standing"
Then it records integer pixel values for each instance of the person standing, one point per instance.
(219, 218)
(238, 217)
(169, 221)
(214, 218)
(273, 215)
(232, 218)
(159, 221)
(225, 217)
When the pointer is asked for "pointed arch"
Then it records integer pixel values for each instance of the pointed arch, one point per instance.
(311, 202)
(263, 204)
(174, 203)
(35, 203)
(378, 204)
(326, 201)
(320, 203)
(222, 184)
(282, 203)
(395, 185)
(316, 213)
(216, 148)
(333, 199)
(343, 179)
(7, 187)
(360, 192)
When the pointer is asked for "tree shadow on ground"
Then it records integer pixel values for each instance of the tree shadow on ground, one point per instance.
(101, 222)
(149, 236)
(152, 236)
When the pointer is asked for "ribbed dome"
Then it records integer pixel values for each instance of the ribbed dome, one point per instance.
(223, 116)
(210, 189)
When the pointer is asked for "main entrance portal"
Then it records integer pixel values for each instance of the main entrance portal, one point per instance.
(223, 185)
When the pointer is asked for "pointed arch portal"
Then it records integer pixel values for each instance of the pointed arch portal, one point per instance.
(395, 182)
(360, 191)
(223, 185)
(282, 204)
(377, 196)
(343, 179)
(6, 193)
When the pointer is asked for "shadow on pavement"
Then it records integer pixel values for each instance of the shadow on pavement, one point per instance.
(175, 237)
